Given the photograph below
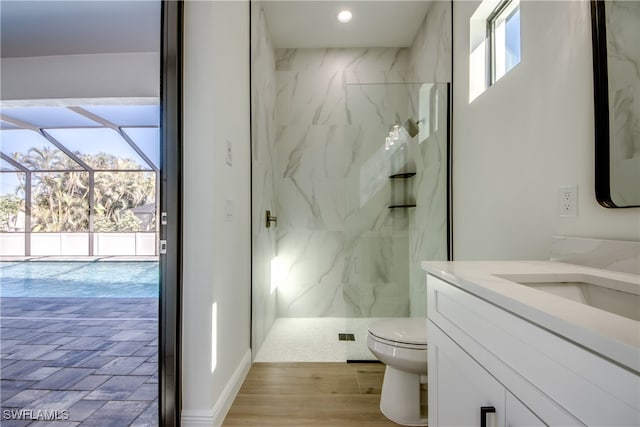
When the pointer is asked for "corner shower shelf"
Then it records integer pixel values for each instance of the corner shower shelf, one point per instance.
(404, 175)
(401, 206)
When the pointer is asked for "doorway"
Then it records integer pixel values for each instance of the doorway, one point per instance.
(157, 399)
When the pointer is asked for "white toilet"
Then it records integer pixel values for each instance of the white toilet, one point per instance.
(401, 344)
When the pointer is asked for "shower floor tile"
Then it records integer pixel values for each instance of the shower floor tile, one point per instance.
(315, 340)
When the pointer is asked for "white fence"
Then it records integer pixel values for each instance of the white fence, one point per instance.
(68, 244)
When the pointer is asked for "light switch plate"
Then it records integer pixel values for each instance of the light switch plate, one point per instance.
(228, 210)
(229, 153)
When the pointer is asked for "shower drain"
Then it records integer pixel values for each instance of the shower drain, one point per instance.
(346, 337)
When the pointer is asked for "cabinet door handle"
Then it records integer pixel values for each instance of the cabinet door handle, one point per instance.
(484, 410)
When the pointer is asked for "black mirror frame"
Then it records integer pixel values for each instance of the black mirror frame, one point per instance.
(601, 106)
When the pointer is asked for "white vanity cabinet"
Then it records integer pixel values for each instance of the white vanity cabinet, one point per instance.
(482, 355)
(461, 388)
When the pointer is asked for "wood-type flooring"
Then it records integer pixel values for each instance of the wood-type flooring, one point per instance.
(310, 394)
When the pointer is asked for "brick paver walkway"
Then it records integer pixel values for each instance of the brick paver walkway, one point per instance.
(93, 361)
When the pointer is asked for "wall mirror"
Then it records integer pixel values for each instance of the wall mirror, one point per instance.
(616, 65)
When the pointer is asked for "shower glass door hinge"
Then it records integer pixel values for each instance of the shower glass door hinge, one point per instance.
(163, 247)
(163, 218)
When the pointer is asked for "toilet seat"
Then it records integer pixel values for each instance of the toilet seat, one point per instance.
(397, 344)
(408, 333)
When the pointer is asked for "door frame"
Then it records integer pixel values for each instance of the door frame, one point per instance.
(170, 300)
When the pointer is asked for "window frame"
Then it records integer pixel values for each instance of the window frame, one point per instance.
(497, 16)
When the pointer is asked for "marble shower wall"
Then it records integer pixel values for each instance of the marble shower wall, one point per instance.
(430, 52)
(313, 163)
(263, 136)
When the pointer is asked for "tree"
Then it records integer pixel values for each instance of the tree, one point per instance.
(60, 200)
(10, 206)
(116, 193)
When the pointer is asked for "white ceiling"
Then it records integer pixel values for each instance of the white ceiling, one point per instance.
(52, 27)
(313, 24)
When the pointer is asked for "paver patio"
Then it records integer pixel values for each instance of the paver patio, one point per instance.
(93, 360)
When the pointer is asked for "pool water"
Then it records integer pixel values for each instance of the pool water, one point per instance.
(79, 279)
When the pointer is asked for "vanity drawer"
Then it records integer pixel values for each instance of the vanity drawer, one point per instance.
(533, 363)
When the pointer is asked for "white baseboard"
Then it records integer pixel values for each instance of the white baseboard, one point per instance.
(197, 418)
(215, 416)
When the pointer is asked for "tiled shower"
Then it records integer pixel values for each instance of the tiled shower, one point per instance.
(354, 219)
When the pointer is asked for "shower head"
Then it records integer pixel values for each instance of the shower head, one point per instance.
(411, 127)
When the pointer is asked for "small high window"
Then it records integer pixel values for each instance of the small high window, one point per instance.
(494, 43)
(503, 32)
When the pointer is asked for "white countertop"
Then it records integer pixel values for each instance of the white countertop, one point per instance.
(614, 337)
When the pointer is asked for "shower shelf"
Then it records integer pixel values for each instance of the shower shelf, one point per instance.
(401, 206)
(404, 175)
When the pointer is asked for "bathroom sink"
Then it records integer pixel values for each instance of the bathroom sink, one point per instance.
(619, 297)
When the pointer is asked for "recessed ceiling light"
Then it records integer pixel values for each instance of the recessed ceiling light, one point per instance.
(344, 16)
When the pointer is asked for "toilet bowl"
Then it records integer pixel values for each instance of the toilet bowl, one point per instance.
(401, 344)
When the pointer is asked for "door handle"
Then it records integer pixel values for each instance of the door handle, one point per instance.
(270, 218)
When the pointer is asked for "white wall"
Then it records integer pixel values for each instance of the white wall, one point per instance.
(526, 136)
(108, 75)
(216, 253)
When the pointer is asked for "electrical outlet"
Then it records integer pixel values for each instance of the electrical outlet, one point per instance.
(568, 200)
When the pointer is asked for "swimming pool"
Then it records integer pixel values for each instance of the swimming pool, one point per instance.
(79, 279)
